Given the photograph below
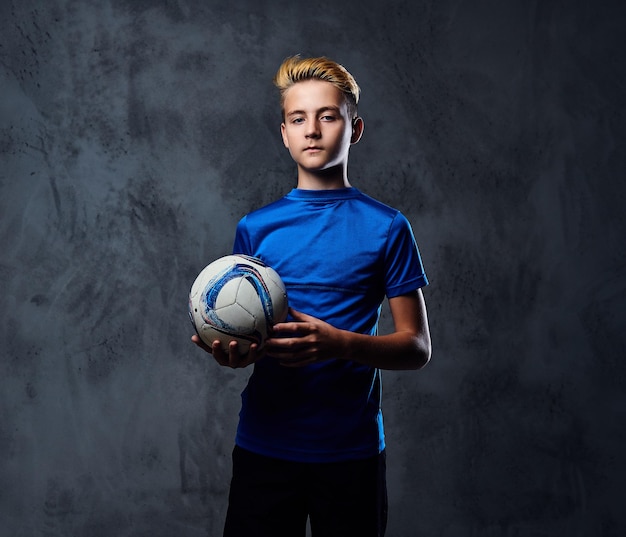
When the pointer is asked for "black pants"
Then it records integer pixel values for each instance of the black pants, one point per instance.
(273, 498)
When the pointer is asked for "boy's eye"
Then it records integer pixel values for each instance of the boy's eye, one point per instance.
(297, 120)
(328, 118)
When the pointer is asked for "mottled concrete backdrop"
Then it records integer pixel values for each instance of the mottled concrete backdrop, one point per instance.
(135, 133)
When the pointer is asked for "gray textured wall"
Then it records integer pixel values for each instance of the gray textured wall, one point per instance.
(134, 134)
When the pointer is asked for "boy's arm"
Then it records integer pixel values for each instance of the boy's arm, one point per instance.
(313, 340)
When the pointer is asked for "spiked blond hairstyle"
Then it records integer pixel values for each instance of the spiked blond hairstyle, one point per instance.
(296, 69)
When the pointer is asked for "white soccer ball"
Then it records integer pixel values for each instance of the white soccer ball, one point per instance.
(237, 298)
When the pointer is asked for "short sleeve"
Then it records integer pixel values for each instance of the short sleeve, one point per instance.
(242, 239)
(404, 271)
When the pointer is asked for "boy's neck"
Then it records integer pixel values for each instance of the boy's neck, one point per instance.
(330, 179)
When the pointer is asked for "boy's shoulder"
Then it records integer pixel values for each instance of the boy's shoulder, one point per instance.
(269, 207)
(378, 204)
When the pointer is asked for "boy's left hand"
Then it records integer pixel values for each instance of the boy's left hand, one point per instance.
(304, 340)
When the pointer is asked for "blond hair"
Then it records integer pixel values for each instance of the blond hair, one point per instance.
(296, 69)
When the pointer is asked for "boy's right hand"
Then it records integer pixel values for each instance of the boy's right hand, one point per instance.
(232, 358)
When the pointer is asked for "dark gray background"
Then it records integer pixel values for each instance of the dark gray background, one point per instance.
(134, 135)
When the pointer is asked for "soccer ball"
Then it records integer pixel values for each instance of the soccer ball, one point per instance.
(237, 298)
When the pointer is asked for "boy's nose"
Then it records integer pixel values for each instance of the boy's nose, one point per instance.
(313, 130)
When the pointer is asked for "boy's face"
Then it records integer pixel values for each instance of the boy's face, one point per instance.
(317, 128)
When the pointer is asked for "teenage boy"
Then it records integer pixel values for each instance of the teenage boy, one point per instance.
(310, 440)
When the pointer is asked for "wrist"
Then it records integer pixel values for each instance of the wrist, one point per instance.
(346, 345)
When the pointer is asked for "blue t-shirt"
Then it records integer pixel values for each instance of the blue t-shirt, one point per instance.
(339, 252)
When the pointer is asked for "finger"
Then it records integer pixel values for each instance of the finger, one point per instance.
(286, 346)
(253, 355)
(296, 353)
(299, 316)
(288, 328)
(237, 360)
(196, 339)
(296, 317)
(234, 358)
(218, 353)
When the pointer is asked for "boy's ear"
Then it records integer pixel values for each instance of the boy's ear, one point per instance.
(282, 133)
(357, 130)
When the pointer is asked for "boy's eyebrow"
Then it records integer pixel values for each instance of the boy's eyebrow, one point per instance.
(323, 109)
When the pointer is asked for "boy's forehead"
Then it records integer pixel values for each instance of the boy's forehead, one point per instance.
(313, 93)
